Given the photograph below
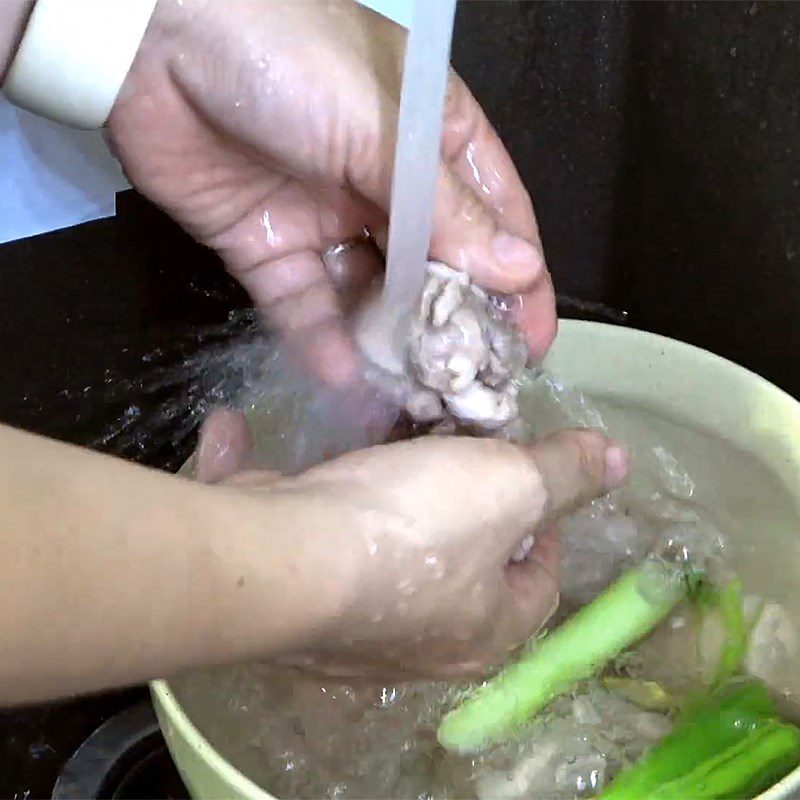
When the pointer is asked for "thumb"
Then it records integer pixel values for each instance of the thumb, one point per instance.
(225, 446)
(465, 232)
(577, 466)
(466, 235)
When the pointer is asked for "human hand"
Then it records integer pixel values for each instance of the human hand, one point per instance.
(424, 565)
(267, 130)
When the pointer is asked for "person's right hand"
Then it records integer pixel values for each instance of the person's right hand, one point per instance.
(267, 129)
(422, 565)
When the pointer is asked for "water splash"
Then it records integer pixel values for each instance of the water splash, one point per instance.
(206, 367)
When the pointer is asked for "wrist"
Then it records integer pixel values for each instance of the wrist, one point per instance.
(13, 19)
(284, 570)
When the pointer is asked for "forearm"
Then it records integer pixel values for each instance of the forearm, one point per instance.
(113, 574)
(13, 18)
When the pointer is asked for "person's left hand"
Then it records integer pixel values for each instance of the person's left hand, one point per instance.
(267, 130)
(426, 544)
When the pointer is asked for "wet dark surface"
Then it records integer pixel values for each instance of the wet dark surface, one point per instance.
(125, 758)
(104, 747)
(93, 310)
(661, 142)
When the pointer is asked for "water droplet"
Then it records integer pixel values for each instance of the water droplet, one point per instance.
(273, 240)
(733, 52)
(388, 695)
(524, 548)
(39, 750)
(435, 566)
(470, 154)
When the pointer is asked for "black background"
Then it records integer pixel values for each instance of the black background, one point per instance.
(661, 142)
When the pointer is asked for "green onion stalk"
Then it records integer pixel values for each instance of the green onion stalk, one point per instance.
(730, 745)
(579, 649)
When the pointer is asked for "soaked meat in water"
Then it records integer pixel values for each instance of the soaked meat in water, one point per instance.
(573, 752)
(774, 648)
(685, 650)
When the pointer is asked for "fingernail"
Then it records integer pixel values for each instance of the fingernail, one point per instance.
(517, 254)
(551, 611)
(523, 549)
(617, 465)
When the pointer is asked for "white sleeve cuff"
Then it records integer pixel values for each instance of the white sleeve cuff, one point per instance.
(74, 57)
